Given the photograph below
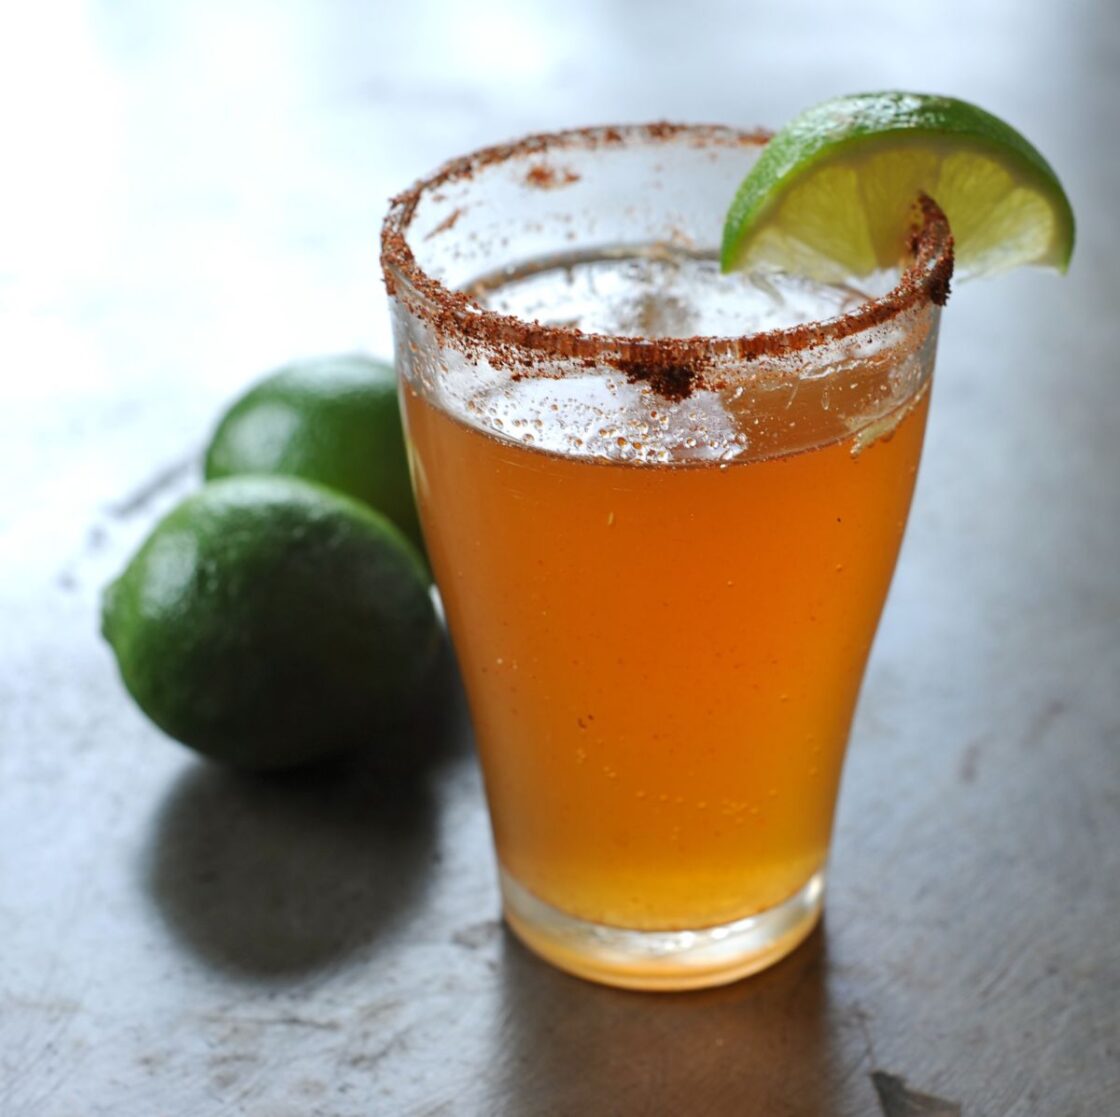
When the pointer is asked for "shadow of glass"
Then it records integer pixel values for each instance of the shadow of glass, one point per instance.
(761, 1045)
(274, 876)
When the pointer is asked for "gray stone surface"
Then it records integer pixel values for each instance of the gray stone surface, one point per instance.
(191, 195)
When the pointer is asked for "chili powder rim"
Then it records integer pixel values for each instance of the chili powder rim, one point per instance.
(674, 366)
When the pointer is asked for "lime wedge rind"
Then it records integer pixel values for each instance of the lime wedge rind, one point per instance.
(830, 191)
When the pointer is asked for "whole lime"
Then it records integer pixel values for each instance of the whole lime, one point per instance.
(335, 420)
(269, 622)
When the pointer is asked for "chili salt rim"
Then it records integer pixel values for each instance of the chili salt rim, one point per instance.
(673, 366)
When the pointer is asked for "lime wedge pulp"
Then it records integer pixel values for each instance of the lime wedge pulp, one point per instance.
(832, 193)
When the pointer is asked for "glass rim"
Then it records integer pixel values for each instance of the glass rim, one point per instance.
(673, 366)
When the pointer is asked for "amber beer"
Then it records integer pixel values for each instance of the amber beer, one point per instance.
(662, 661)
(662, 589)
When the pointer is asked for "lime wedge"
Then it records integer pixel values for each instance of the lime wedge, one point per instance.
(832, 194)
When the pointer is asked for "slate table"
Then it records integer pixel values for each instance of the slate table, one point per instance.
(191, 195)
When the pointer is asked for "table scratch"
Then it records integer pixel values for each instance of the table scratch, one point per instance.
(897, 1100)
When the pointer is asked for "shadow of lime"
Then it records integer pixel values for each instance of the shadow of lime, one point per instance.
(275, 876)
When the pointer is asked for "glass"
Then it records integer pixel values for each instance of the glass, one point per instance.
(662, 530)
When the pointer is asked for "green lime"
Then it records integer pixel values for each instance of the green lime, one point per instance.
(335, 420)
(269, 622)
(832, 193)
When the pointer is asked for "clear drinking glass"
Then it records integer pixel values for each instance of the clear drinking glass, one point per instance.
(663, 508)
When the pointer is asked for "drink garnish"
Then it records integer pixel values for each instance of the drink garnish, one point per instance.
(832, 195)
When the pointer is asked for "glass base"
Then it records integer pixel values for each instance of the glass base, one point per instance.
(663, 960)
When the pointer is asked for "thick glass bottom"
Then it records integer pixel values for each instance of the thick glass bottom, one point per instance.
(665, 960)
